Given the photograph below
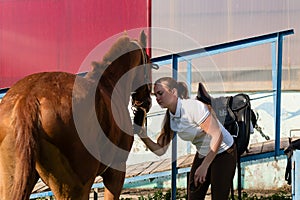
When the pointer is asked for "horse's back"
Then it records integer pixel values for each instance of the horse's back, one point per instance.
(52, 92)
(46, 84)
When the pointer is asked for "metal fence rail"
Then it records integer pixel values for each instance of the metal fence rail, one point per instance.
(276, 41)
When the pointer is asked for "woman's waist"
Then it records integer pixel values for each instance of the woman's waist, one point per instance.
(204, 149)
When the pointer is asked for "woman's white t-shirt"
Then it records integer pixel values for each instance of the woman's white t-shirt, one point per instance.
(186, 122)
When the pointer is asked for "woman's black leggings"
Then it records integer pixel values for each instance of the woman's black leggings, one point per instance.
(219, 175)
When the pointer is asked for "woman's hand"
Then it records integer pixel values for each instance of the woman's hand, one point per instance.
(200, 175)
(139, 120)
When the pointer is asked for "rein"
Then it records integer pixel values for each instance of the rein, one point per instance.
(153, 66)
(137, 104)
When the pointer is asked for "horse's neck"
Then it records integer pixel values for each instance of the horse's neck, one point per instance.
(112, 80)
(115, 89)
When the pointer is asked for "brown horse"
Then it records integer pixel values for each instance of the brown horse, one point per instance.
(67, 129)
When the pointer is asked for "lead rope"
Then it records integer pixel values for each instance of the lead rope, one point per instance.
(140, 110)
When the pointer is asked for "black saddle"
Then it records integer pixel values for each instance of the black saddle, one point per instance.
(203, 95)
(234, 112)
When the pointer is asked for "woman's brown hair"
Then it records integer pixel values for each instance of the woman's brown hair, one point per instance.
(182, 91)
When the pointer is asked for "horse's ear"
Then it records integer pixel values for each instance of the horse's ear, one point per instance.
(143, 39)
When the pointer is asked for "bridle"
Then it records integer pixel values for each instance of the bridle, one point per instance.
(144, 55)
(142, 104)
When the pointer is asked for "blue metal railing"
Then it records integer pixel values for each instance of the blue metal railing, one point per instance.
(3, 92)
(273, 38)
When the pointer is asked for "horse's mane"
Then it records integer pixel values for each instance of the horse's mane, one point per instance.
(117, 49)
(120, 47)
(123, 45)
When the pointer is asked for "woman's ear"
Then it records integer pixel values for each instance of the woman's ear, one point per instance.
(174, 91)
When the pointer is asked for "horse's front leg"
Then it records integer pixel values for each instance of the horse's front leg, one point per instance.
(113, 181)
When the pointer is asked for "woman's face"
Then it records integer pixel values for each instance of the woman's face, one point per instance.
(165, 97)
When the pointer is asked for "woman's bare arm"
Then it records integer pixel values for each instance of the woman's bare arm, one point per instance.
(211, 127)
(158, 148)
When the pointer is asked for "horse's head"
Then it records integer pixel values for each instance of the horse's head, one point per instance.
(128, 70)
(141, 96)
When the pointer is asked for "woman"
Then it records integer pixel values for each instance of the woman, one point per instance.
(215, 160)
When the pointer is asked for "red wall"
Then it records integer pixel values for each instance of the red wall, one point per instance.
(56, 35)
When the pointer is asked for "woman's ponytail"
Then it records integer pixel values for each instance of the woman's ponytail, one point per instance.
(182, 90)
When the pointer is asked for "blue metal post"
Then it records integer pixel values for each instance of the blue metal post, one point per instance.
(278, 94)
(174, 141)
(274, 72)
(274, 82)
(189, 84)
(189, 76)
